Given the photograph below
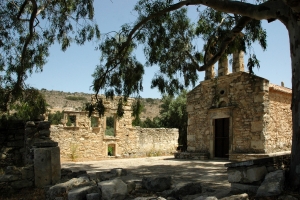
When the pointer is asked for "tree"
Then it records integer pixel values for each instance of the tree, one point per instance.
(173, 114)
(28, 28)
(164, 29)
(56, 117)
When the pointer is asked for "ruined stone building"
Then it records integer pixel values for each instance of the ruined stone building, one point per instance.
(94, 138)
(238, 116)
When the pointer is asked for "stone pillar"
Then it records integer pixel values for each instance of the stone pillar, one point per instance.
(223, 66)
(210, 71)
(238, 61)
(43, 153)
(47, 168)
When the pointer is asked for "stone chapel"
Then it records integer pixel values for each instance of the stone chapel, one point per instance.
(237, 115)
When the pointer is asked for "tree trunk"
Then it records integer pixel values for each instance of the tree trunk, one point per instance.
(293, 27)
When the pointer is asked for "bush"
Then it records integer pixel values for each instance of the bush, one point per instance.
(74, 98)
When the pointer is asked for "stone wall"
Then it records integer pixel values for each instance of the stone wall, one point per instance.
(259, 116)
(248, 176)
(39, 161)
(83, 142)
(12, 143)
(236, 96)
(92, 144)
(279, 126)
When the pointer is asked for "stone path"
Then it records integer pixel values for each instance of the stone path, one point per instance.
(211, 173)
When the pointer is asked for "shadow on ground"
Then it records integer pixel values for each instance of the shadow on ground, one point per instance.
(211, 173)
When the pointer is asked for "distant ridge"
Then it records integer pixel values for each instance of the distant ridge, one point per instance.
(59, 101)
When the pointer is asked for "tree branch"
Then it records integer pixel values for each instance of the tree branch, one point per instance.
(21, 71)
(236, 31)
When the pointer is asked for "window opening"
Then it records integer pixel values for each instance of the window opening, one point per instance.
(111, 150)
(94, 121)
(71, 120)
(110, 126)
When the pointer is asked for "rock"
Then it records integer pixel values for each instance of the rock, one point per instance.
(8, 178)
(44, 132)
(113, 189)
(239, 188)
(93, 196)
(61, 188)
(206, 198)
(249, 175)
(256, 174)
(149, 198)
(131, 186)
(81, 192)
(287, 197)
(187, 189)
(21, 184)
(44, 125)
(237, 197)
(104, 176)
(272, 185)
(30, 124)
(157, 184)
(119, 172)
(12, 170)
(27, 172)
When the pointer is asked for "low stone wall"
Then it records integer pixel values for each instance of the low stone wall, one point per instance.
(247, 176)
(12, 143)
(39, 161)
(82, 144)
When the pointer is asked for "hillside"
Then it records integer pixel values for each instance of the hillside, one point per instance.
(59, 101)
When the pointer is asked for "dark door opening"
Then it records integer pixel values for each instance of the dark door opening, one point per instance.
(222, 138)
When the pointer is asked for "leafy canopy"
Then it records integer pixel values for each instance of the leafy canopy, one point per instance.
(28, 28)
(170, 40)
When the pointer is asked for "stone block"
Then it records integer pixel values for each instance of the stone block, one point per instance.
(46, 166)
(257, 126)
(272, 185)
(8, 178)
(190, 137)
(258, 144)
(258, 98)
(234, 175)
(239, 188)
(93, 196)
(256, 173)
(81, 192)
(21, 184)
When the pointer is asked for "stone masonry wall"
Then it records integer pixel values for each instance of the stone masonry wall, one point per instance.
(92, 144)
(82, 142)
(241, 98)
(279, 126)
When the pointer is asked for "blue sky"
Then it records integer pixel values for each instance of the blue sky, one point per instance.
(71, 71)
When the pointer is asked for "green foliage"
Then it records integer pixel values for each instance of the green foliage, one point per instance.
(55, 118)
(74, 98)
(173, 114)
(137, 108)
(110, 151)
(148, 123)
(110, 126)
(27, 31)
(94, 121)
(170, 40)
(30, 105)
(71, 120)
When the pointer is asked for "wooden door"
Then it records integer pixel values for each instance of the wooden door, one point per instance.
(222, 138)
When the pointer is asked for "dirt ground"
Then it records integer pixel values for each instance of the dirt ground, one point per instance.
(211, 173)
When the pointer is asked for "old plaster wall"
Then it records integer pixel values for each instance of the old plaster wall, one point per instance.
(238, 96)
(279, 126)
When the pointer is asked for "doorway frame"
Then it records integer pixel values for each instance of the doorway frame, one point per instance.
(218, 113)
